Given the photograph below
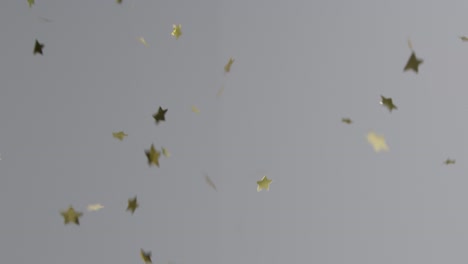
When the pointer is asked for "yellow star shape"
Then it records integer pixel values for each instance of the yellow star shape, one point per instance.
(153, 156)
(71, 216)
(263, 184)
(176, 31)
(377, 141)
(227, 67)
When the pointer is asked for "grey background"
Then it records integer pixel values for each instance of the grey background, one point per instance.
(300, 66)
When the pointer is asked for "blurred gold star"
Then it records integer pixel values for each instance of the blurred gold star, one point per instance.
(143, 41)
(95, 207)
(119, 135)
(227, 67)
(71, 216)
(263, 184)
(176, 31)
(377, 141)
(132, 205)
(146, 256)
(153, 156)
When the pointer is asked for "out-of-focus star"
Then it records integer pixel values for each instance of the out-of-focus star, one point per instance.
(377, 141)
(143, 41)
(160, 115)
(388, 103)
(119, 1)
(119, 135)
(95, 207)
(146, 256)
(449, 161)
(176, 31)
(153, 156)
(227, 67)
(31, 3)
(346, 120)
(263, 184)
(463, 38)
(71, 216)
(413, 63)
(132, 205)
(38, 47)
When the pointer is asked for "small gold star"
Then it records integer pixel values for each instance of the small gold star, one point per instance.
(71, 216)
(263, 184)
(176, 31)
(132, 205)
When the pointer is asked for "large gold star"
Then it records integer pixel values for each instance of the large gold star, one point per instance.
(263, 184)
(132, 205)
(160, 115)
(413, 63)
(153, 156)
(38, 47)
(377, 141)
(388, 103)
(176, 31)
(71, 216)
(146, 256)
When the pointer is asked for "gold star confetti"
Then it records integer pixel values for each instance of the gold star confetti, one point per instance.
(449, 161)
(71, 216)
(377, 141)
(464, 39)
(153, 156)
(210, 182)
(132, 205)
(165, 152)
(176, 31)
(146, 256)
(263, 184)
(119, 135)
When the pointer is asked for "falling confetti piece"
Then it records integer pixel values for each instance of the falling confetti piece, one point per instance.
(160, 115)
(31, 3)
(210, 182)
(146, 256)
(195, 109)
(153, 156)
(119, 135)
(413, 63)
(346, 120)
(119, 1)
(410, 45)
(227, 67)
(132, 204)
(377, 141)
(38, 47)
(449, 161)
(388, 103)
(165, 152)
(71, 216)
(463, 38)
(95, 207)
(176, 31)
(263, 184)
(143, 41)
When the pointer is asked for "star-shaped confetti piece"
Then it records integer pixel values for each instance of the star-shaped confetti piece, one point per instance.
(94, 207)
(449, 161)
(71, 216)
(176, 31)
(165, 152)
(463, 38)
(413, 63)
(146, 256)
(153, 156)
(347, 120)
(377, 141)
(132, 205)
(119, 1)
(227, 67)
(160, 115)
(388, 103)
(38, 47)
(263, 184)
(119, 135)
(30, 3)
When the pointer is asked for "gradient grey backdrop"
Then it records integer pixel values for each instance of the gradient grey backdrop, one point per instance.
(300, 66)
